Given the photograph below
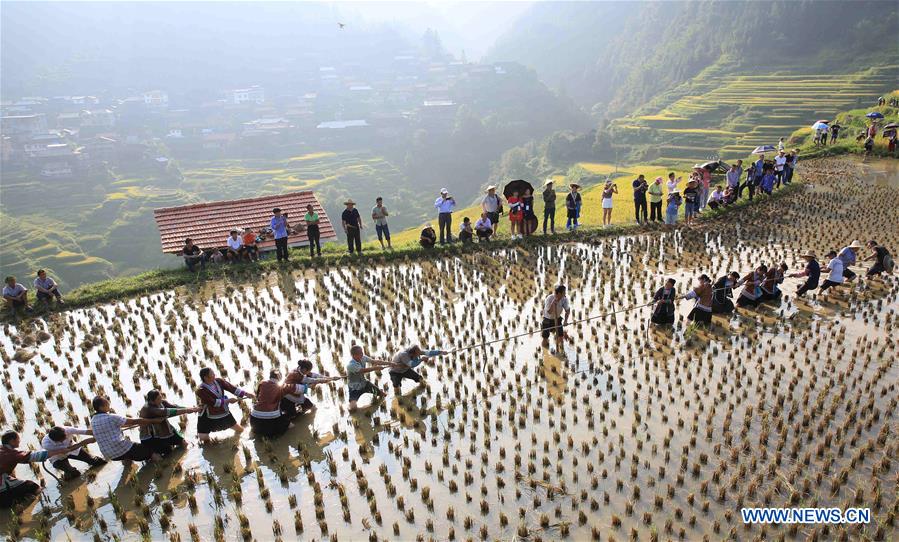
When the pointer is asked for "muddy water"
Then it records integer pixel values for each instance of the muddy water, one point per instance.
(628, 430)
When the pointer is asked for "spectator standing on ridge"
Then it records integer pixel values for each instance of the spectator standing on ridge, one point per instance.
(674, 203)
(672, 182)
(733, 176)
(704, 178)
(607, 202)
(780, 162)
(655, 201)
(780, 144)
(313, 233)
(573, 206)
(352, 225)
(379, 215)
(549, 206)
(15, 295)
(493, 206)
(529, 222)
(279, 227)
(445, 205)
(834, 132)
(640, 188)
(691, 201)
(47, 288)
(516, 215)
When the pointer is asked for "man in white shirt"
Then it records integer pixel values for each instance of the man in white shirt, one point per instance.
(235, 247)
(484, 228)
(60, 438)
(15, 295)
(555, 311)
(107, 429)
(445, 205)
(672, 182)
(491, 205)
(835, 268)
(779, 162)
(716, 198)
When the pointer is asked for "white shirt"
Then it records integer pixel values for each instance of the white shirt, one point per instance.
(779, 162)
(552, 311)
(50, 445)
(235, 244)
(836, 270)
(672, 185)
(490, 204)
(108, 433)
(716, 196)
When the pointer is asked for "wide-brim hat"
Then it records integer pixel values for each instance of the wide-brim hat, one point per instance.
(349, 202)
(809, 254)
(692, 181)
(549, 180)
(574, 185)
(444, 191)
(489, 188)
(856, 244)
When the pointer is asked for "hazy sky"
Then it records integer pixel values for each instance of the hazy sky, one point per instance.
(472, 26)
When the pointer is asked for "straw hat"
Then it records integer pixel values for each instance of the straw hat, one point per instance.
(444, 191)
(856, 244)
(810, 255)
(349, 202)
(574, 185)
(489, 188)
(548, 181)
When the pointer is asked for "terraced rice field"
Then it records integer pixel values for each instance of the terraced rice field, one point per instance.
(626, 432)
(729, 115)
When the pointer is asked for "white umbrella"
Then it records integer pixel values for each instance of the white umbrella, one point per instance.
(819, 126)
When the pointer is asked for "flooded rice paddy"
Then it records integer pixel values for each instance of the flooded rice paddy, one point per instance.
(630, 432)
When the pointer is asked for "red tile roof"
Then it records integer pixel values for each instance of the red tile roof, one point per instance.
(209, 224)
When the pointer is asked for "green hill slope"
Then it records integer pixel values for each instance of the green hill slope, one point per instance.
(618, 55)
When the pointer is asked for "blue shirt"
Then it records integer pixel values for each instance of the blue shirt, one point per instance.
(768, 182)
(279, 226)
(444, 205)
(847, 255)
(759, 167)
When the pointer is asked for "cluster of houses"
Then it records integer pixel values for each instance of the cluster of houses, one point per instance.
(336, 106)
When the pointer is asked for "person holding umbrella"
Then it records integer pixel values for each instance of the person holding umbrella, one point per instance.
(516, 214)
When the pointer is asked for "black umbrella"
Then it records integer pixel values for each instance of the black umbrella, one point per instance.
(517, 185)
(713, 165)
(891, 126)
